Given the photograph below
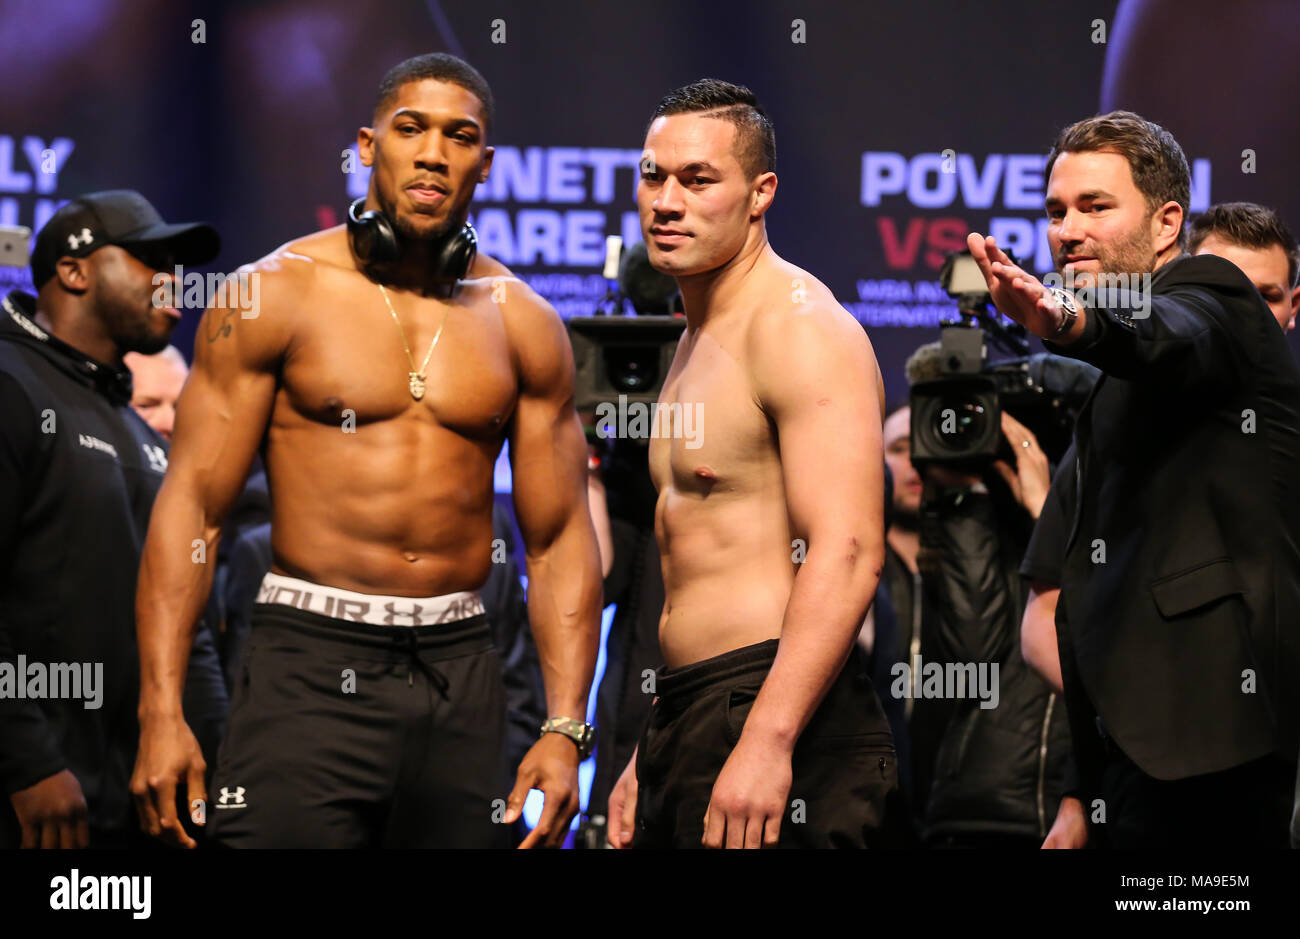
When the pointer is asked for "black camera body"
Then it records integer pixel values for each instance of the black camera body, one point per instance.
(957, 406)
(622, 356)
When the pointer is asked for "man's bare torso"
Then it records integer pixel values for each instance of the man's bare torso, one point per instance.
(721, 520)
(372, 490)
(729, 551)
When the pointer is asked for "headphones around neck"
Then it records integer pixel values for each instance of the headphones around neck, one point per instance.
(376, 242)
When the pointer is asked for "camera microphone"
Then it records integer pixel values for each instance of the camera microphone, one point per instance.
(926, 363)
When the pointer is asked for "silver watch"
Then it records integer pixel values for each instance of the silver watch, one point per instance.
(1069, 310)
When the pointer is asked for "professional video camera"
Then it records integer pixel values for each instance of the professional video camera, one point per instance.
(625, 359)
(624, 356)
(627, 356)
(957, 396)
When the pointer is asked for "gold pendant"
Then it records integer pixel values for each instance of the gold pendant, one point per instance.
(417, 385)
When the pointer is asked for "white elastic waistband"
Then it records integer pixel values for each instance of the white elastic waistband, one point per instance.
(368, 607)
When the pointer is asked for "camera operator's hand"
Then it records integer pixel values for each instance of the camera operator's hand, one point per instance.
(1032, 477)
(1019, 294)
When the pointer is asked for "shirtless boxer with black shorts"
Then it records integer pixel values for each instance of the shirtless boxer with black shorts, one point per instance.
(766, 729)
(379, 389)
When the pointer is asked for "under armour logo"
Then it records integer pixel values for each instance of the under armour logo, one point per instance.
(156, 456)
(75, 242)
(227, 796)
(390, 620)
(461, 609)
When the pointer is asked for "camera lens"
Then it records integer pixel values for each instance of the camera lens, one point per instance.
(960, 423)
(631, 369)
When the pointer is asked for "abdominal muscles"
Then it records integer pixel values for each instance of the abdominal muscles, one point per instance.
(728, 567)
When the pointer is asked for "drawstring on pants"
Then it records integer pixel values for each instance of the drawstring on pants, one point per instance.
(406, 639)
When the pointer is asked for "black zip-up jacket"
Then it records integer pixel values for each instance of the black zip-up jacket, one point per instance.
(998, 770)
(78, 474)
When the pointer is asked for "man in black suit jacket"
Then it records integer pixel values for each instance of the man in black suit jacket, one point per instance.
(1179, 620)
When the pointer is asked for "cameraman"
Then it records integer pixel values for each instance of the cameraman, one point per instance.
(1001, 761)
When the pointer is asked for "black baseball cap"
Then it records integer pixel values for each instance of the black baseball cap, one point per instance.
(116, 217)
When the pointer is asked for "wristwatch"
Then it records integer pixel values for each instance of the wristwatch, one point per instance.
(1069, 309)
(582, 734)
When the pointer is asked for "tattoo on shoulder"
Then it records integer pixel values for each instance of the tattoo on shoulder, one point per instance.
(222, 328)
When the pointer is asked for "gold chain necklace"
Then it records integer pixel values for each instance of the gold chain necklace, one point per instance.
(417, 376)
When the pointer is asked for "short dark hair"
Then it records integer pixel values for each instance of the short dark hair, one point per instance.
(1249, 225)
(1157, 161)
(755, 138)
(438, 66)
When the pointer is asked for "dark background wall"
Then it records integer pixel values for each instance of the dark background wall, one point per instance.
(246, 129)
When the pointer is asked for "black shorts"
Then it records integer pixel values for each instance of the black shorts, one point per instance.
(845, 771)
(350, 735)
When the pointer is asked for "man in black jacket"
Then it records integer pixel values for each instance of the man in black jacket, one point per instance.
(1179, 617)
(1255, 239)
(999, 770)
(78, 473)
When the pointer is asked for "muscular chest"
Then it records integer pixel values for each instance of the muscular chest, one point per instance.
(709, 432)
(353, 363)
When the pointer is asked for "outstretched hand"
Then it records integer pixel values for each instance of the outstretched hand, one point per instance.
(1015, 292)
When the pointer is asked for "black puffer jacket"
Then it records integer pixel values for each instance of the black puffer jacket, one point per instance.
(999, 770)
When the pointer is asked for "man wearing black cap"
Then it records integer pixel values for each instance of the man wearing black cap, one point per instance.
(78, 474)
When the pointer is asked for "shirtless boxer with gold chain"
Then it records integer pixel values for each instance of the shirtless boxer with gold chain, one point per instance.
(379, 379)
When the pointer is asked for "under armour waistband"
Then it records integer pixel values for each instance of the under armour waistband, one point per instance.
(377, 610)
